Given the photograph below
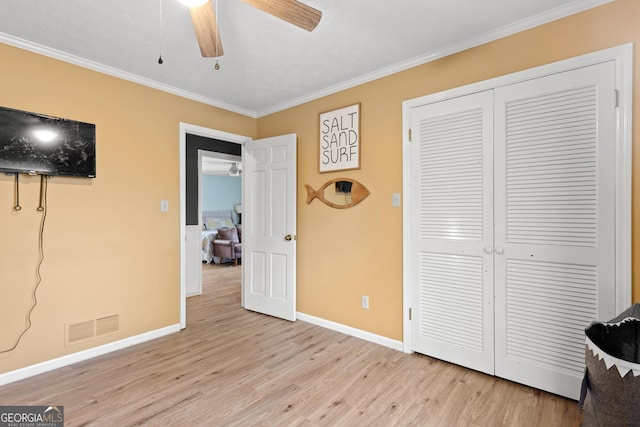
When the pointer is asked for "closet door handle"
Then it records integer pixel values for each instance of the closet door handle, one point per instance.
(488, 250)
(499, 251)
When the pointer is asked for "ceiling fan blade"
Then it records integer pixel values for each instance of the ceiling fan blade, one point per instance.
(206, 29)
(292, 11)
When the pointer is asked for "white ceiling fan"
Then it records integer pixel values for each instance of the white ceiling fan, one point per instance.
(206, 27)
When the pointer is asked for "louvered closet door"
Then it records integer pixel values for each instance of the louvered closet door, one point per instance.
(554, 212)
(452, 276)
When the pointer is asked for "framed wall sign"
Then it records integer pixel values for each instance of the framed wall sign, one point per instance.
(340, 139)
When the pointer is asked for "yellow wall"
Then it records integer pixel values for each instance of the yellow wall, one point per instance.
(343, 254)
(108, 248)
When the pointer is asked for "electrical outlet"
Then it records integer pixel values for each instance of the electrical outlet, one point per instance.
(365, 302)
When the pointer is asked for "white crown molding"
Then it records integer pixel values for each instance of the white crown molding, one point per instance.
(525, 24)
(105, 69)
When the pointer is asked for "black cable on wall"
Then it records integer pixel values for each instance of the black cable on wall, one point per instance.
(41, 208)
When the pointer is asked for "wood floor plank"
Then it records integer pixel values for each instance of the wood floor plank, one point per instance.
(233, 367)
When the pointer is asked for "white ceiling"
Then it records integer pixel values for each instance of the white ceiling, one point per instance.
(268, 64)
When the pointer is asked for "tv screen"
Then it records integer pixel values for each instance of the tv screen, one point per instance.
(38, 144)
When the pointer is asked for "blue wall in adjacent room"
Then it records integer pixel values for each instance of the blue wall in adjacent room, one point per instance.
(221, 192)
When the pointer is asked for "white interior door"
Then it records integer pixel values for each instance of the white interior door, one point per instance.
(555, 223)
(452, 155)
(269, 226)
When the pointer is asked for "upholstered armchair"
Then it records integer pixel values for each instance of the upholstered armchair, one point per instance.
(228, 244)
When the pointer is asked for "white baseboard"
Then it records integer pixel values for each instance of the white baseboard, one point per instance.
(50, 365)
(60, 362)
(348, 330)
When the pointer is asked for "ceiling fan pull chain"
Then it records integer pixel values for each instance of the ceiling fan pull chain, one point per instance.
(160, 61)
(217, 66)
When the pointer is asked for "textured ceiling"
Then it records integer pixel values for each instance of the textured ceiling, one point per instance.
(268, 64)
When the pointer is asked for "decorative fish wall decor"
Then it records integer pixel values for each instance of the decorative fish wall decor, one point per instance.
(339, 193)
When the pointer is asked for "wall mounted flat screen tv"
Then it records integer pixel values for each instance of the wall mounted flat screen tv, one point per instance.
(38, 144)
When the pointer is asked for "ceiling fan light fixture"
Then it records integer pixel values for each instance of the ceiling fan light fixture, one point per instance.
(193, 3)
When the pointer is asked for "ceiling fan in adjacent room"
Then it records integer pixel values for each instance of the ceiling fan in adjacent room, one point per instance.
(206, 26)
(234, 170)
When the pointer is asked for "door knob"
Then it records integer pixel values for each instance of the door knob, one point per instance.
(499, 251)
(288, 237)
(488, 250)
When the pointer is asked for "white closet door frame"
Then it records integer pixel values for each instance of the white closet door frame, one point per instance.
(623, 57)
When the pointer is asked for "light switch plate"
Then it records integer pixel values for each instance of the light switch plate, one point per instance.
(164, 206)
(365, 302)
(395, 200)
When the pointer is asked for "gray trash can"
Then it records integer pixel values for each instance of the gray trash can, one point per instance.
(610, 393)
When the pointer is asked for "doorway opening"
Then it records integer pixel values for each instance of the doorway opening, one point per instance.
(192, 139)
(219, 206)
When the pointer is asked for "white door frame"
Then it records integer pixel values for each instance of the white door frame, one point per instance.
(186, 128)
(623, 56)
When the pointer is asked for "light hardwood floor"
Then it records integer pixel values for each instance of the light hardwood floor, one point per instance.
(232, 367)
